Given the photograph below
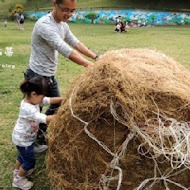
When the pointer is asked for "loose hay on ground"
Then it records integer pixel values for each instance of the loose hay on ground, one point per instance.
(125, 89)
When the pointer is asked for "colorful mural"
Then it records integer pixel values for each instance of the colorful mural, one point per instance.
(135, 17)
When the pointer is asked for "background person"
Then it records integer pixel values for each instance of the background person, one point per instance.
(118, 19)
(17, 19)
(21, 21)
(122, 27)
(5, 23)
(52, 36)
(126, 26)
(118, 27)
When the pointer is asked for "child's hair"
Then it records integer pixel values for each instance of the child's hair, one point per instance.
(36, 84)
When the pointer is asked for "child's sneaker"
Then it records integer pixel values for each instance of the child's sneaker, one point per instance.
(22, 183)
(15, 172)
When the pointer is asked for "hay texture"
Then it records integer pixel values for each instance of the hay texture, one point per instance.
(123, 125)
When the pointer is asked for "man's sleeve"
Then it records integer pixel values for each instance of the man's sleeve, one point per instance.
(70, 38)
(50, 35)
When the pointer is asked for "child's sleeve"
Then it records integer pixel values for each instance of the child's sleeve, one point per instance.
(34, 115)
(39, 117)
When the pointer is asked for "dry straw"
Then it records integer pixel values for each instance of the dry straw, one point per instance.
(124, 125)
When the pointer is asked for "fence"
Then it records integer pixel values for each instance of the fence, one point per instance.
(46, 9)
(136, 17)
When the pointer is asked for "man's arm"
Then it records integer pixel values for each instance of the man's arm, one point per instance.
(84, 50)
(54, 40)
(75, 43)
(77, 58)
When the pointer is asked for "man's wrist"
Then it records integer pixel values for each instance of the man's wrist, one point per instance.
(96, 57)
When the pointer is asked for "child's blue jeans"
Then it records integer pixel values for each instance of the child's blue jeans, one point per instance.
(26, 157)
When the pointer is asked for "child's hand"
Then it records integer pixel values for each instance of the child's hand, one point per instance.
(49, 118)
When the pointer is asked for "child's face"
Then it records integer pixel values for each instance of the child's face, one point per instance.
(39, 99)
(36, 99)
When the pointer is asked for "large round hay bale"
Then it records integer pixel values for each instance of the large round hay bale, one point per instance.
(137, 85)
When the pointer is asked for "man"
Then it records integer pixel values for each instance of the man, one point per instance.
(51, 36)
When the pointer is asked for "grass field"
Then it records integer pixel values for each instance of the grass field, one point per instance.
(173, 40)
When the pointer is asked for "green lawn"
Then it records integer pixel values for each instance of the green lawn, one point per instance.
(173, 40)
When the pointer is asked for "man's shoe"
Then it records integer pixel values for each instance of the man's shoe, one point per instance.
(40, 148)
(41, 136)
(29, 172)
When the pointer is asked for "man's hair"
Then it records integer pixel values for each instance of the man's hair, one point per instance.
(62, 1)
(59, 1)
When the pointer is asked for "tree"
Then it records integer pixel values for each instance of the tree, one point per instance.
(153, 17)
(19, 8)
(92, 16)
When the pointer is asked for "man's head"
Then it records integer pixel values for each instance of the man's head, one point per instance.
(63, 9)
